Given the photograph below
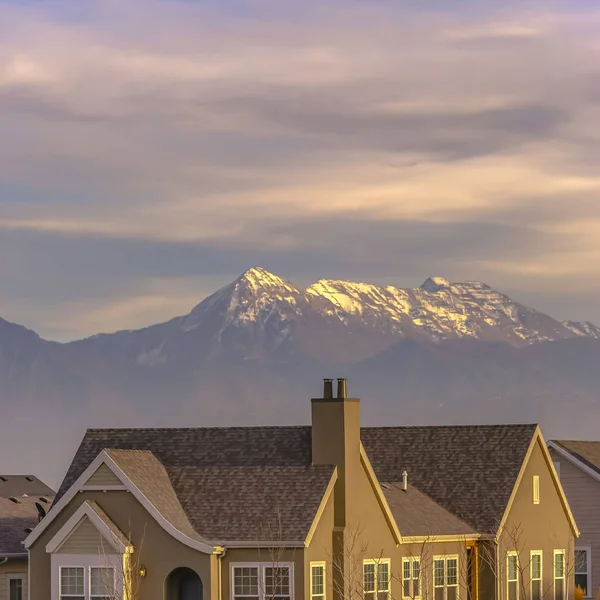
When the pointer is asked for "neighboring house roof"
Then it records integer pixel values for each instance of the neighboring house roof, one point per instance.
(470, 471)
(418, 515)
(19, 485)
(16, 521)
(230, 482)
(584, 453)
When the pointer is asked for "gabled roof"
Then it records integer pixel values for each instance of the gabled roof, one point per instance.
(585, 455)
(16, 521)
(21, 485)
(418, 515)
(470, 471)
(232, 484)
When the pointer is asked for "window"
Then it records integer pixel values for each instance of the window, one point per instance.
(102, 583)
(535, 567)
(445, 578)
(411, 578)
(376, 579)
(15, 587)
(72, 585)
(317, 580)
(559, 575)
(262, 581)
(512, 576)
(536, 489)
(583, 560)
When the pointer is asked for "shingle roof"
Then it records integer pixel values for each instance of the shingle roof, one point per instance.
(19, 485)
(418, 515)
(115, 531)
(587, 452)
(15, 521)
(469, 470)
(230, 481)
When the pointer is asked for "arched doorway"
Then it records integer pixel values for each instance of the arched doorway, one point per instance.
(183, 584)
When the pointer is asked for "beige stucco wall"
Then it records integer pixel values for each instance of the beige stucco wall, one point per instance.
(583, 494)
(542, 526)
(12, 567)
(157, 550)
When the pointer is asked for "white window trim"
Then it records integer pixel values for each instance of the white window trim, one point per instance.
(563, 579)
(445, 558)
(531, 580)
(508, 556)
(261, 566)
(15, 577)
(323, 565)
(412, 560)
(588, 549)
(379, 561)
(85, 562)
(536, 489)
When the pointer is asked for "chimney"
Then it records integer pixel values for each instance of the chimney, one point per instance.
(336, 438)
(405, 480)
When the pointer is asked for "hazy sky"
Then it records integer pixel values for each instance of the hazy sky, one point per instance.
(152, 151)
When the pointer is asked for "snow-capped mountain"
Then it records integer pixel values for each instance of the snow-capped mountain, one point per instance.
(444, 352)
(263, 316)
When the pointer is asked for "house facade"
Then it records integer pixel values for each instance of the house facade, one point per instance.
(20, 497)
(578, 465)
(327, 511)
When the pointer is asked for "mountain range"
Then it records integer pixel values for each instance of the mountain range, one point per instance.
(253, 351)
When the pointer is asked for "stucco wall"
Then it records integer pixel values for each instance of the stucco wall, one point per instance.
(12, 567)
(543, 527)
(158, 551)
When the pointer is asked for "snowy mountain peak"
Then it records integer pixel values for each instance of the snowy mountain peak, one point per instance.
(434, 284)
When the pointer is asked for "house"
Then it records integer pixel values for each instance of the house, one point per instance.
(23, 498)
(326, 511)
(578, 466)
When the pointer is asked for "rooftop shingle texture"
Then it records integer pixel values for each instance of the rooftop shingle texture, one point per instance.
(469, 470)
(114, 530)
(587, 452)
(418, 515)
(15, 520)
(19, 485)
(151, 478)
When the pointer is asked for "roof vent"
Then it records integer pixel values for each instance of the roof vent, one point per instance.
(327, 389)
(15, 500)
(28, 530)
(341, 388)
(29, 478)
(3, 479)
(44, 500)
(405, 480)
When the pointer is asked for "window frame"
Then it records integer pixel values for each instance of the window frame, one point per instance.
(15, 577)
(261, 566)
(563, 578)
(536, 489)
(539, 553)
(411, 560)
(445, 558)
(62, 596)
(510, 554)
(323, 565)
(588, 550)
(114, 584)
(377, 562)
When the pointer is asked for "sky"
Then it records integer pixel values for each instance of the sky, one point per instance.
(153, 150)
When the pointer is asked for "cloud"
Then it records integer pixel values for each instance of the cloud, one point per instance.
(173, 143)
